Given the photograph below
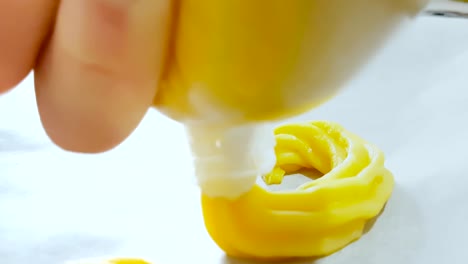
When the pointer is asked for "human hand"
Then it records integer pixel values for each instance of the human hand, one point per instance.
(96, 64)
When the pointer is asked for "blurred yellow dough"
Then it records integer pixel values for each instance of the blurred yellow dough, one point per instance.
(110, 261)
(318, 218)
(128, 261)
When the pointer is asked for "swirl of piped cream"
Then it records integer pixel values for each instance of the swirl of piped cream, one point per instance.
(319, 217)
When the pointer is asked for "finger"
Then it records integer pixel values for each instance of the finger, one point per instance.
(23, 27)
(99, 73)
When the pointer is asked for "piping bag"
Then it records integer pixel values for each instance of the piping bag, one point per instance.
(235, 66)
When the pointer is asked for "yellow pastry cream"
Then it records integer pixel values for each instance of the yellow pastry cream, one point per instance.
(319, 217)
(110, 261)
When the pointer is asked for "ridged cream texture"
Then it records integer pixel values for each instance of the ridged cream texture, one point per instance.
(319, 217)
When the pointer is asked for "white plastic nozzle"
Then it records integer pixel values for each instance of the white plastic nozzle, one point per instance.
(228, 160)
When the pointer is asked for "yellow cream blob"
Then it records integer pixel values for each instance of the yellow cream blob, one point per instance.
(128, 261)
(110, 261)
(318, 218)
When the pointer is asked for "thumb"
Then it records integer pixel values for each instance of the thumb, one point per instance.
(98, 75)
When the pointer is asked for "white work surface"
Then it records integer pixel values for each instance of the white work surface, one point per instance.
(141, 199)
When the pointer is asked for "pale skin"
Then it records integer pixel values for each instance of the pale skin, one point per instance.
(96, 63)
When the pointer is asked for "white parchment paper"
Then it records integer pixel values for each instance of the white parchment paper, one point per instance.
(140, 199)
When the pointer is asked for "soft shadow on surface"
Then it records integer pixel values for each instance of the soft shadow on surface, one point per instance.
(397, 235)
(53, 249)
(12, 142)
(231, 260)
(5, 188)
(371, 222)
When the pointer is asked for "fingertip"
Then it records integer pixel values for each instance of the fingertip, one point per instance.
(91, 140)
(87, 141)
(83, 108)
(98, 74)
(11, 77)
